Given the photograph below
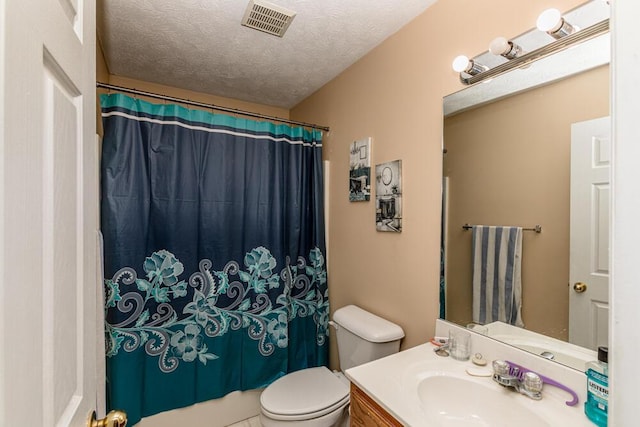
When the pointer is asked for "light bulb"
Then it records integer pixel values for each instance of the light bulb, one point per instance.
(549, 21)
(499, 46)
(460, 63)
(505, 48)
(552, 22)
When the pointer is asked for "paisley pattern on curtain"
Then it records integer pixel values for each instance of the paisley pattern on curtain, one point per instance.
(214, 254)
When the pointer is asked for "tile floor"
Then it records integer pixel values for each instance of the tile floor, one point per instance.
(251, 422)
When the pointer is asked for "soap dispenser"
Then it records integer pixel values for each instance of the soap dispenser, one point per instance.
(597, 402)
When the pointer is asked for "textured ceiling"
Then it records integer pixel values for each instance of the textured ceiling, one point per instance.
(200, 44)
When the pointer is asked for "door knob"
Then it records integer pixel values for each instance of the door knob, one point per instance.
(580, 287)
(113, 419)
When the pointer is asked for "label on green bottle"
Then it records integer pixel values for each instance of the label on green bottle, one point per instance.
(598, 389)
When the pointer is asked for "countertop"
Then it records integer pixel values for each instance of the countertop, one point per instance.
(393, 383)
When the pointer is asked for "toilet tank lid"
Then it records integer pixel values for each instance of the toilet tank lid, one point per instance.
(367, 325)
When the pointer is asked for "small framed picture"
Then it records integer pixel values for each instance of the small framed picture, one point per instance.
(389, 196)
(360, 170)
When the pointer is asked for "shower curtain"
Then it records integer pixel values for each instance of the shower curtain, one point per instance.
(215, 278)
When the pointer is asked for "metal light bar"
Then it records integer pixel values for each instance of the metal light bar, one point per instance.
(549, 49)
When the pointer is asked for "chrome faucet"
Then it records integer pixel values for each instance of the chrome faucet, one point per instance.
(442, 350)
(525, 382)
(442, 346)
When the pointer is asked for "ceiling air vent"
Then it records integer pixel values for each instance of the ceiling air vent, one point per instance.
(267, 17)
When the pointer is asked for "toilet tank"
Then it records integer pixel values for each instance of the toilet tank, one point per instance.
(363, 336)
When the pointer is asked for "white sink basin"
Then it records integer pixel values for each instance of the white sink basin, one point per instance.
(421, 389)
(452, 401)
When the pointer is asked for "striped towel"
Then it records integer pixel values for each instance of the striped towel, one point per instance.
(497, 282)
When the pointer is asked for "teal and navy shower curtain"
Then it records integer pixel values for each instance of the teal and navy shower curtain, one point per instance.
(214, 254)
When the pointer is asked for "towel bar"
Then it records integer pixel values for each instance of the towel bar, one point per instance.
(537, 228)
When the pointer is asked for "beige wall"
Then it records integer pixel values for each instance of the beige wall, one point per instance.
(394, 94)
(102, 71)
(508, 163)
(268, 110)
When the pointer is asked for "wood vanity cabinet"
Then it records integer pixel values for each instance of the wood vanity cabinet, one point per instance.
(366, 413)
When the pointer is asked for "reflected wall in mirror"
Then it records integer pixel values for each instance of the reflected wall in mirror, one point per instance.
(508, 163)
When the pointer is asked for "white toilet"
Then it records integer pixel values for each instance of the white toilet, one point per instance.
(317, 397)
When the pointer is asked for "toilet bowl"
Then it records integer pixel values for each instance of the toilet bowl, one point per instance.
(314, 397)
(317, 397)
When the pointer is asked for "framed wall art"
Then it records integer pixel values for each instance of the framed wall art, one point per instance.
(360, 170)
(389, 196)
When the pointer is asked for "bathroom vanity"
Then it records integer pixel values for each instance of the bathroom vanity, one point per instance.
(418, 388)
(366, 412)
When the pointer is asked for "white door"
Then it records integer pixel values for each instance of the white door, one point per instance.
(589, 235)
(48, 213)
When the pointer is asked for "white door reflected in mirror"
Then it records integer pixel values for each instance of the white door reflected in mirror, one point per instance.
(589, 235)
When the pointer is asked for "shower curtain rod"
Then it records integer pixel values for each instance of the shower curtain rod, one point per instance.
(537, 228)
(208, 106)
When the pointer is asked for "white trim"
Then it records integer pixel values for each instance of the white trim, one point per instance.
(326, 173)
(625, 210)
(4, 387)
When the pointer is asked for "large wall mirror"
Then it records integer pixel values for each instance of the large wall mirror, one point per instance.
(535, 157)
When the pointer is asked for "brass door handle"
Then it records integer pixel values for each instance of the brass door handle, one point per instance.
(113, 419)
(580, 287)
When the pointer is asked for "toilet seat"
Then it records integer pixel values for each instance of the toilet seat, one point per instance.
(303, 395)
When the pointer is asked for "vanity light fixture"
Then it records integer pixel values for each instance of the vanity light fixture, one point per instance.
(462, 64)
(552, 22)
(506, 48)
